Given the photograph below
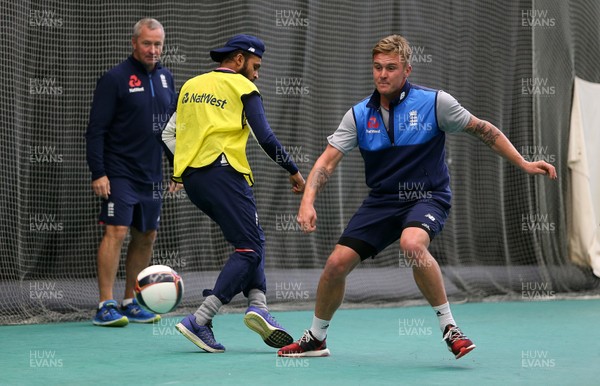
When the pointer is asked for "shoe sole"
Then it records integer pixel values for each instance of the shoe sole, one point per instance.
(464, 351)
(272, 336)
(113, 323)
(195, 340)
(313, 354)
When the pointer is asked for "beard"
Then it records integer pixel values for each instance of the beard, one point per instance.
(245, 70)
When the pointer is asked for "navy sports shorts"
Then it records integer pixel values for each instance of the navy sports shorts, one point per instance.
(381, 219)
(132, 204)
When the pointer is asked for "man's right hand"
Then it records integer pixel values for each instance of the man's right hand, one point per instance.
(101, 187)
(307, 218)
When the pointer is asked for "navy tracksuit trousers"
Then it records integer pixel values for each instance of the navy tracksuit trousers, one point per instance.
(224, 195)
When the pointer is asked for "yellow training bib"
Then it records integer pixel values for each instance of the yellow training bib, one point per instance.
(211, 122)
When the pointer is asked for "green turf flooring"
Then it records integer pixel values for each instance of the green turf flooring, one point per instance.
(527, 343)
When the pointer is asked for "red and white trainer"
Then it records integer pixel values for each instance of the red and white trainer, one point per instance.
(307, 346)
(457, 342)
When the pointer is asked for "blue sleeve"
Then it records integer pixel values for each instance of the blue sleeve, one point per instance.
(173, 106)
(170, 110)
(255, 114)
(101, 115)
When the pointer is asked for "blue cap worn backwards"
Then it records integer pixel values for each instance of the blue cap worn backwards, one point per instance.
(239, 42)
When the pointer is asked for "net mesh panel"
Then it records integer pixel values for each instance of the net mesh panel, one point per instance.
(506, 234)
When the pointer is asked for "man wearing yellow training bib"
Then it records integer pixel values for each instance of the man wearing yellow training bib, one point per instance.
(207, 139)
(208, 122)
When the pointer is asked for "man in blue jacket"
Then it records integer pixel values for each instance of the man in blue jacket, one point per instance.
(400, 131)
(124, 155)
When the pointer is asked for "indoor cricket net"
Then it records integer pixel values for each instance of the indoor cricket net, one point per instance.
(506, 234)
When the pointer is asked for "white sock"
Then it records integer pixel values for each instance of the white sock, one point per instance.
(444, 315)
(319, 328)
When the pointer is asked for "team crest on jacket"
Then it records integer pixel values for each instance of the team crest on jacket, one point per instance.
(413, 118)
(163, 81)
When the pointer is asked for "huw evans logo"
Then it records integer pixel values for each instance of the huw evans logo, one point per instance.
(165, 327)
(419, 55)
(41, 18)
(44, 359)
(291, 362)
(169, 258)
(44, 86)
(537, 358)
(537, 18)
(537, 86)
(291, 153)
(159, 122)
(537, 153)
(44, 222)
(171, 55)
(537, 291)
(287, 222)
(412, 191)
(293, 86)
(44, 154)
(39, 290)
(414, 122)
(535, 222)
(290, 18)
(413, 327)
(160, 191)
(414, 259)
(290, 291)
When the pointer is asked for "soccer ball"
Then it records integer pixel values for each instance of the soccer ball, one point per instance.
(159, 289)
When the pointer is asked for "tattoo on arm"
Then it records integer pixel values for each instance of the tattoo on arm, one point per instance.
(482, 131)
(320, 178)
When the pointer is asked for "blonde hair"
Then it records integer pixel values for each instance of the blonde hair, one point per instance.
(149, 23)
(394, 44)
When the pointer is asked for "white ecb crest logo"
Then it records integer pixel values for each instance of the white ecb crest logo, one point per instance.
(413, 118)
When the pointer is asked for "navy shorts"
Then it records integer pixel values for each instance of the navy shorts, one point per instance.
(381, 219)
(132, 204)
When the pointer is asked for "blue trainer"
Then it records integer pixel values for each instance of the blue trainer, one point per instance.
(137, 314)
(265, 325)
(201, 336)
(109, 316)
